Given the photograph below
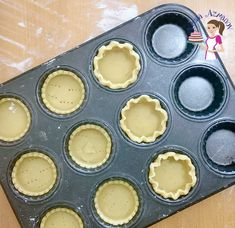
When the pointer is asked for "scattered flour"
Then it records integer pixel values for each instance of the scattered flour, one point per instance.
(115, 13)
(22, 65)
(22, 24)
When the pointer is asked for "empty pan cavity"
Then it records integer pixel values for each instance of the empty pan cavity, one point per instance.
(167, 37)
(202, 90)
(219, 147)
(199, 91)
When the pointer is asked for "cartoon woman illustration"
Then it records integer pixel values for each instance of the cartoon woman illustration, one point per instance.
(214, 41)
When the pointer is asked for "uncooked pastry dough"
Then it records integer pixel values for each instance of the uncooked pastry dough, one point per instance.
(117, 65)
(143, 119)
(172, 175)
(61, 218)
(116, 202)
(63, 92)
(90, 146)
(15, 119)
(34, 174)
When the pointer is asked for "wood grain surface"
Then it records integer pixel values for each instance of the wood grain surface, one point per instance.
(32, 32)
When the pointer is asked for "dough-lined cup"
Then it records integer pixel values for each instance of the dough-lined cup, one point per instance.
(116, 202)
(34, 174)
(15, 119)
(61, 217)
(172, 175)
(90, 146)
(143, 119)
(63, 92)
(116, 65)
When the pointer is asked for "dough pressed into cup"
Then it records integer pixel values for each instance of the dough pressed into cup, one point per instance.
(15, 119)
(116, 202)
(61, 217)
(172, 175)
(63, 92)
(116, 65)
(90, 146)
(34, 174)
(143, 119)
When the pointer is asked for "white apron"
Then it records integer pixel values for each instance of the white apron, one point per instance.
(211, 43)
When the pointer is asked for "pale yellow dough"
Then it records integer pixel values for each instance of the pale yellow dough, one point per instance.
(61, 218)
(90, 145)
(117, 65)
(63, 92)
(116, 202)
(34, 174)
(15, 119)
(172, 175)
(143, 119)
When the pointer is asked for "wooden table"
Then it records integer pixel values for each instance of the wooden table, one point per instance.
(32, 32)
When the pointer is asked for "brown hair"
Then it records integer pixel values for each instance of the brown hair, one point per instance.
(218, 24)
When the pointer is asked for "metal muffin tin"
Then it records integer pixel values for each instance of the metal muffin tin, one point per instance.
(161, 75)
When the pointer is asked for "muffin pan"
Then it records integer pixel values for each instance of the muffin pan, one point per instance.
(82, 145)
